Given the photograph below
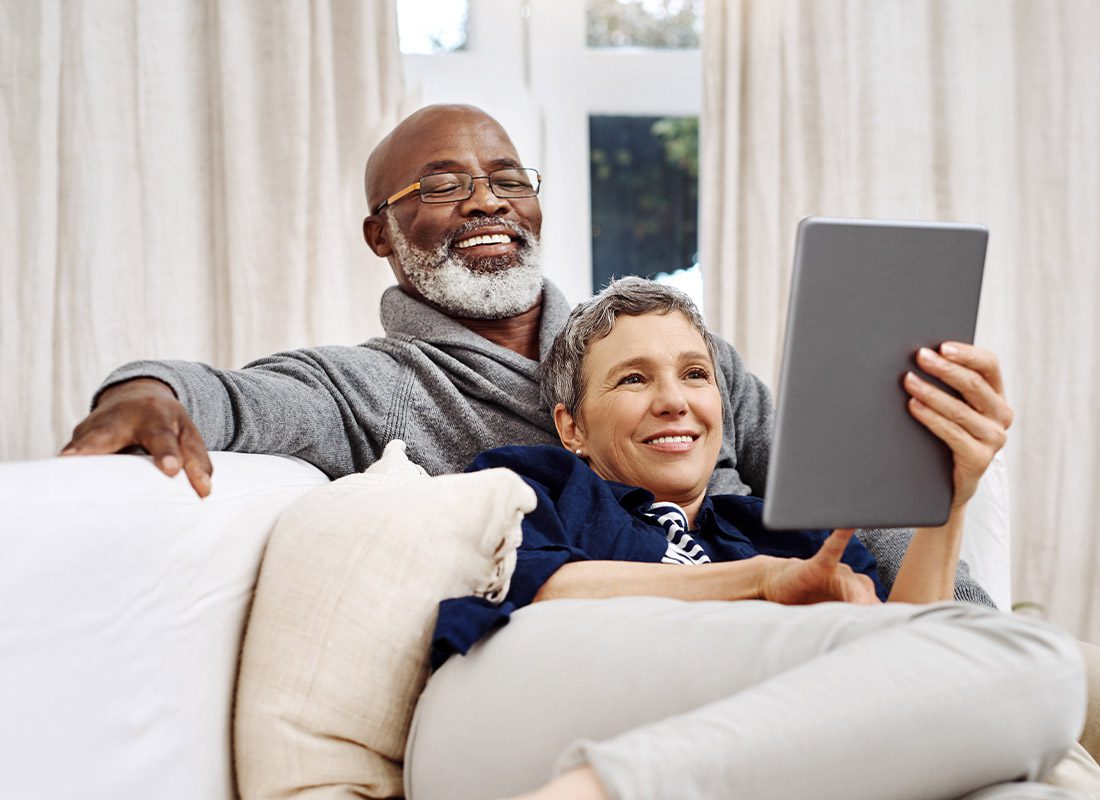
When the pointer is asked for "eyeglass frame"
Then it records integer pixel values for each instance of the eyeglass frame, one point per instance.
(415, 187)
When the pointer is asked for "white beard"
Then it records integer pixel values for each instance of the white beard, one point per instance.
(492, 288)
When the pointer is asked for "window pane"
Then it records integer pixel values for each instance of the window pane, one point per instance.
(670, 24)
(645, 196)
(432, 26)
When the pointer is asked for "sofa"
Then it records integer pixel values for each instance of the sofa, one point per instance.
(123, 603)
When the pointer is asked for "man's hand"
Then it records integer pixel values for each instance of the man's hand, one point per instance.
(797, 581)
(976, 426)
(145, 413)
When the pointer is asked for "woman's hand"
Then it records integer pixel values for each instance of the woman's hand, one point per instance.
(974, 427)
(823, 577)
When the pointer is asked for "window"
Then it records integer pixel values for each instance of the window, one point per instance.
(644, 189)
(432, 26)
(672, 24)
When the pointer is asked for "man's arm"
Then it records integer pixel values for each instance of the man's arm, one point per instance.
(748, 417)
(325, 405)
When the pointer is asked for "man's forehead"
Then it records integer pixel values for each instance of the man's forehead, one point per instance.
(440, 138)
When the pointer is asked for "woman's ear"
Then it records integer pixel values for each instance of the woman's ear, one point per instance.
(374, 231)
(572, 437)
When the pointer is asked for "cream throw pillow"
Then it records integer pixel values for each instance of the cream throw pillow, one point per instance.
(336, 651)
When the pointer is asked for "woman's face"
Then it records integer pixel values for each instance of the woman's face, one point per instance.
(651, 414)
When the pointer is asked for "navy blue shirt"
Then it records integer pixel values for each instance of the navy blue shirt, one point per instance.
(580, 516)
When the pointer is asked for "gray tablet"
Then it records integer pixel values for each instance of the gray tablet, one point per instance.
(865, 296)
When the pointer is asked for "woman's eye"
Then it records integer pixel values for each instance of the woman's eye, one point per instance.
(697, 374)
(630, 379)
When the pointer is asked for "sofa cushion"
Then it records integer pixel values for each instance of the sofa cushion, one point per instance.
(336, 650)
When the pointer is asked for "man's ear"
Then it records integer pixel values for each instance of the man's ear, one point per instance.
(572, 437)
(374, 231)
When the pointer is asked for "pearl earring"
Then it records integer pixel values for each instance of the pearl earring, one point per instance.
(577, 451)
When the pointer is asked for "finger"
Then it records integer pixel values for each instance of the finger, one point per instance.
(833, 548)
(963, 416)
(163, 445)
(96, 440)
(196, 461)
(976, 358)
(982, 390)
(970, 452)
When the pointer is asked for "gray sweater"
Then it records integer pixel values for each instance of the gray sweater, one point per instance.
(449, 394)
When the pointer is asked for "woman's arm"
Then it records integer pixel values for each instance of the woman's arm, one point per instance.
(975, 428)
(791, 581)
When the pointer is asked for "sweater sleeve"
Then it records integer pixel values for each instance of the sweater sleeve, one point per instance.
(326, 405)
(888, 545)
(747, 417)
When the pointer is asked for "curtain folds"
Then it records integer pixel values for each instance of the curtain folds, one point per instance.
(181, 180)
(986, 111)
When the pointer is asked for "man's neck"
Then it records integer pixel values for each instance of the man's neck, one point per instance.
(519, 333)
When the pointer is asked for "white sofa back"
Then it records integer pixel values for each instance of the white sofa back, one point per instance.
(122, 606)
(123, 599)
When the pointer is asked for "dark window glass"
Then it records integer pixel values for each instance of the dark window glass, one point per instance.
(645, 195)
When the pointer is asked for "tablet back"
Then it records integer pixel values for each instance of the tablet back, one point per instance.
(865, 296)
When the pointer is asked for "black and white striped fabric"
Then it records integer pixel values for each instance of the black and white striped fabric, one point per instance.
(682, 549)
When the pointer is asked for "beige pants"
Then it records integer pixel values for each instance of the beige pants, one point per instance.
(667, 699)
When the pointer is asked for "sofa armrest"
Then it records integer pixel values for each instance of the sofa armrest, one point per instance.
(122, 606)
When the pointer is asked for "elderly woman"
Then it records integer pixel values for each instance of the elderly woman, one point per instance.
(636, 693)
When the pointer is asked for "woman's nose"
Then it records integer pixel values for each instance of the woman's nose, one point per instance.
(669, 398)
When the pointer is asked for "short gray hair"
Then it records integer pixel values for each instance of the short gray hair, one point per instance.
(561, 373)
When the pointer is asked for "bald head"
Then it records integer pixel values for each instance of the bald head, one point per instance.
(400, 158)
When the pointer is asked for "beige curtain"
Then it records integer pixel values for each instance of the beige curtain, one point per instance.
(979, 111)
(181, 180)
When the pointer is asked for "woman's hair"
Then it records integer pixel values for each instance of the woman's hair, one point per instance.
(561, 373)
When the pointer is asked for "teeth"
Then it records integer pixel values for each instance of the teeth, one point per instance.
(495, 238)
(670, 439)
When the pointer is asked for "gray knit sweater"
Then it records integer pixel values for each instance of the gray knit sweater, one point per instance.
(449, 394)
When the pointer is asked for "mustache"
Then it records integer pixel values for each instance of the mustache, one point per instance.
(471, 226)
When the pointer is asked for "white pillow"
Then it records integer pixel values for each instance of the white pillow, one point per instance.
(337, 646)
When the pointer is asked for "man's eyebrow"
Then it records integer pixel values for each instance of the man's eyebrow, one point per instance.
(454, 166)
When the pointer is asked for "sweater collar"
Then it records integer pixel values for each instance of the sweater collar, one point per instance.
(406, 317)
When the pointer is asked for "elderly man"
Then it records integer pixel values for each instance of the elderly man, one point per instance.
(457, 215)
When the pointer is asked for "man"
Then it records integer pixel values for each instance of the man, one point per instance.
(458, 217)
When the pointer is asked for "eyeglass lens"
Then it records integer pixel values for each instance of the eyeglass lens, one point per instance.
(446, 187)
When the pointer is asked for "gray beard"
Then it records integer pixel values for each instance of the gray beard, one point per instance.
(488, 288)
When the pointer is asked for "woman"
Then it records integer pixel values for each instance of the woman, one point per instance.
(718, 699)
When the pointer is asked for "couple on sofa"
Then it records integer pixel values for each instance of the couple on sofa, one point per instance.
(457, 215)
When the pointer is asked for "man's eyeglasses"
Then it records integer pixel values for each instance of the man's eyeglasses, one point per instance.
(454, 187)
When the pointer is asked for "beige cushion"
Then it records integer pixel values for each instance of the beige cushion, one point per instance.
(336, 651)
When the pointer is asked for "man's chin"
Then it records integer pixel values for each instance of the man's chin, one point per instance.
(486, 265)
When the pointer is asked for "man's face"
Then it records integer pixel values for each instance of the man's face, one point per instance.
(473, 258)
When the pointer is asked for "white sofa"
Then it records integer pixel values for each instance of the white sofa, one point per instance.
(123, 599)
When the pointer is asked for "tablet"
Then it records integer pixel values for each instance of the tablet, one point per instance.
(865, 296)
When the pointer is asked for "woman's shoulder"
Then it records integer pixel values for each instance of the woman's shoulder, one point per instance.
(523, 457)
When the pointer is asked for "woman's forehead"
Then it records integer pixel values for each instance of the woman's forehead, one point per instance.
(652, 336)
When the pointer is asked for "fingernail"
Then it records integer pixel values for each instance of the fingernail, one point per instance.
(927, 354)
(68, 451)
(170, 463)
(949, 349)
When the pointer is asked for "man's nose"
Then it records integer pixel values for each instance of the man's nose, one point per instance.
(482, 200)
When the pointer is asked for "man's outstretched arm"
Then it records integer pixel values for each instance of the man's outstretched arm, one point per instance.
(145, 413)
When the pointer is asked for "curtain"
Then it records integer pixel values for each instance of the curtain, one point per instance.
(181, 180)
(984, 111)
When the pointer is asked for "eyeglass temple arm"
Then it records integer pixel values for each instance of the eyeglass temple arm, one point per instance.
(393, 198)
